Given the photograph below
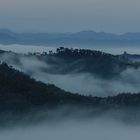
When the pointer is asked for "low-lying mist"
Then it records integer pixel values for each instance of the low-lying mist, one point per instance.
(114, 49)
(82, 83)
(97, 129)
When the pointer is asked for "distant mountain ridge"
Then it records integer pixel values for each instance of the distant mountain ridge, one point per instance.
(79, 38)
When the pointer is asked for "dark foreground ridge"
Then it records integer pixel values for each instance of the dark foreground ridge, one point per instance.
(22, 97)
(19, 93)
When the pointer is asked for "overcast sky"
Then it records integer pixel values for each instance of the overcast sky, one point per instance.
(116, 16)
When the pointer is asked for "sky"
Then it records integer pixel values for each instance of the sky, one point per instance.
(114, 16)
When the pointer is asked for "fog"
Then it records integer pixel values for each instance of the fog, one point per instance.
(97, 129)
(88, 84)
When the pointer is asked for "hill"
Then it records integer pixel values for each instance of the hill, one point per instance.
(79, 38)
(19, 94)
(74, 61)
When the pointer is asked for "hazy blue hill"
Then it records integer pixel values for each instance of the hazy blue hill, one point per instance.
(8, 37)
(79, 38)
(131, 36)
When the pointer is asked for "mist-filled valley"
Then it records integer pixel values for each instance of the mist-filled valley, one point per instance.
(69, 94)
(83, 75)
(99, 129)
